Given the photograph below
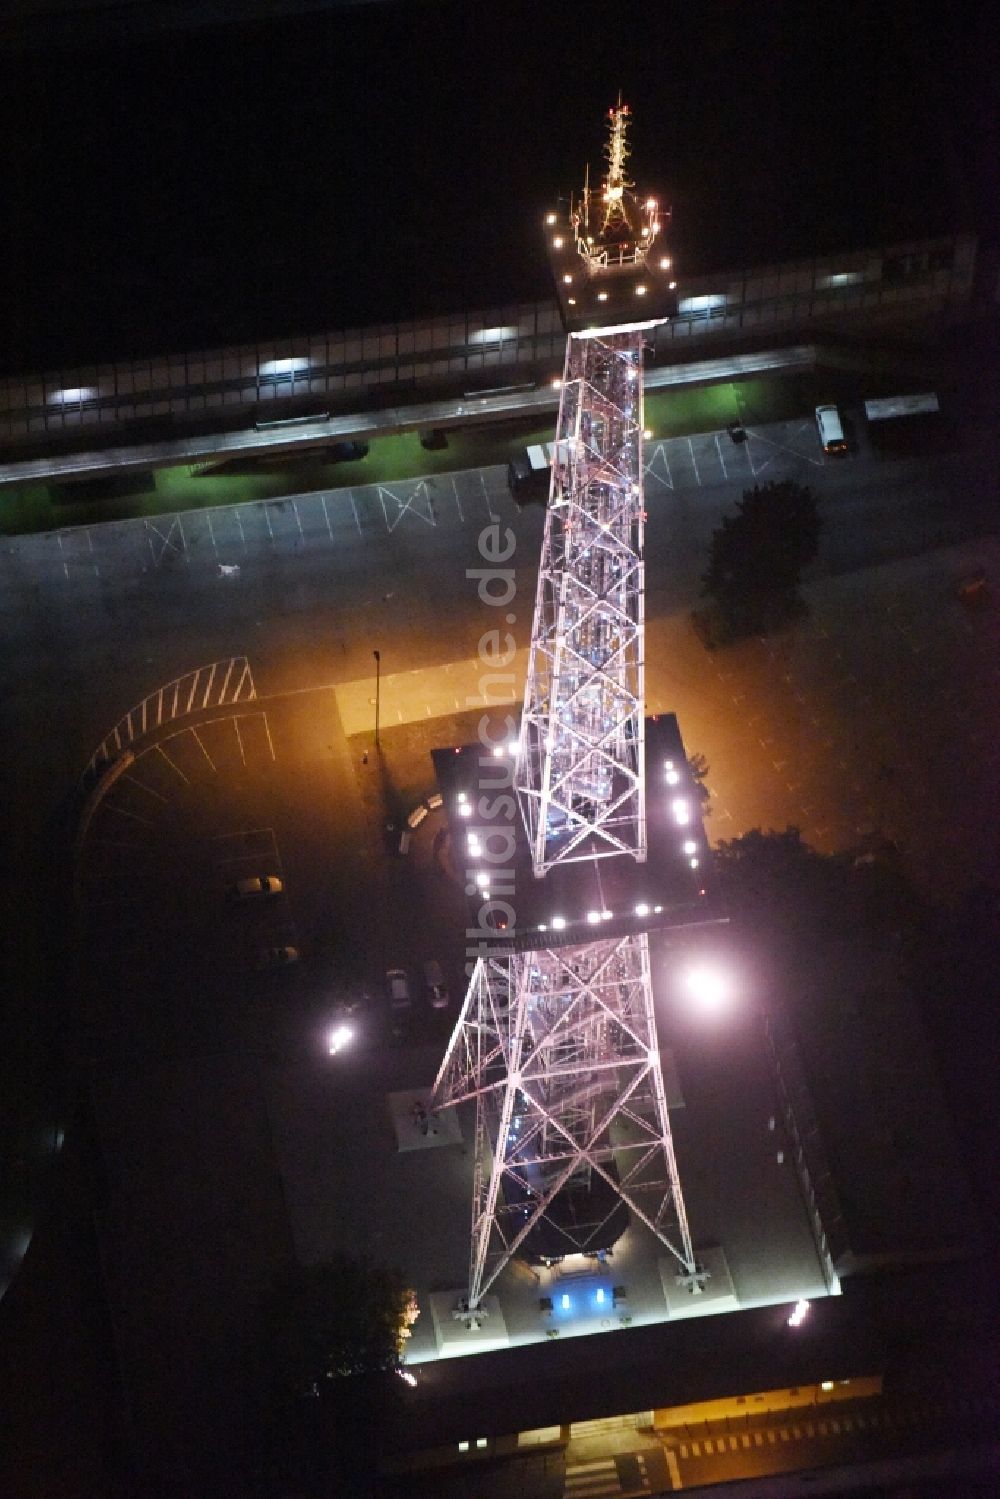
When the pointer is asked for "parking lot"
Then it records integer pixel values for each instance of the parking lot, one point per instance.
(214, 1094)
(776, 451)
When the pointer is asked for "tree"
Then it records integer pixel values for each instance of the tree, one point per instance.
(331, 1321)
(757, 556)
(335, 1338)
(699, 768)
(775, 883)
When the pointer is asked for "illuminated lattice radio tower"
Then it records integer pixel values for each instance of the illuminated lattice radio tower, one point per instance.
(557, 1041)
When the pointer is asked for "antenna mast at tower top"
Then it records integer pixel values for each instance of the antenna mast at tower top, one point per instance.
(607, 252)
(615, 184)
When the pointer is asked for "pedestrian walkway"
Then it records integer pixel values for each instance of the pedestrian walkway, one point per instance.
(466, 410)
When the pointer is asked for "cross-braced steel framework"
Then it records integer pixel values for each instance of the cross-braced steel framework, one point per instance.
(558, 1049)
(580, 760)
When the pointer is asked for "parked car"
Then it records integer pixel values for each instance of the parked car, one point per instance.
(258, 884)
(437, 989)
(277, 957)
(831, 430)
(397, 987)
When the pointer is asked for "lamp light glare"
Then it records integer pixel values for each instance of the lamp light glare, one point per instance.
(708, 987)
(338, 1039)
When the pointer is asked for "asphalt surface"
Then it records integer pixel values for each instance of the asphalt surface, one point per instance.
(98, 621)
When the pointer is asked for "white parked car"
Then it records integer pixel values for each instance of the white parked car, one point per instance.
(398, 989)
(437, 989)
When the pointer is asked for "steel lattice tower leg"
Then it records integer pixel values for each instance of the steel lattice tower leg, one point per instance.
(558, 1049)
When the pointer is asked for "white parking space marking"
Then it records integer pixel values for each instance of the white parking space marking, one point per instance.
(143, 787)
(162, 751)
(418, 503)
(166, 541)
(256, 836)
(198, 741)
(694, 461)
(718, 448)
(124, 812)
(486, 497)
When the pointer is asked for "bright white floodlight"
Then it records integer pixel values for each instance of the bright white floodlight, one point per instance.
(295, 366)
(709, 987)
(339, 1038)
(799, 1315)
(72, 395)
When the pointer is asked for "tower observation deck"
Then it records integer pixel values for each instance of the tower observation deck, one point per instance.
(557, 1040)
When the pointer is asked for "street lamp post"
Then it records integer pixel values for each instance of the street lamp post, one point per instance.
(378, 689)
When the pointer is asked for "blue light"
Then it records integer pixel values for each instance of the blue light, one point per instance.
(565, 1301)
(600, 1295)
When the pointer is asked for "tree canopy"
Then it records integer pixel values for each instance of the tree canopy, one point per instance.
(757, 555)
(341, 1318)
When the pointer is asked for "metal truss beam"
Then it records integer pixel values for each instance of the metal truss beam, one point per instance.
(580, 770)
(558, 1051)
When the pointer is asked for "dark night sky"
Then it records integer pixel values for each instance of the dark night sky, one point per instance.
(194, 186)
